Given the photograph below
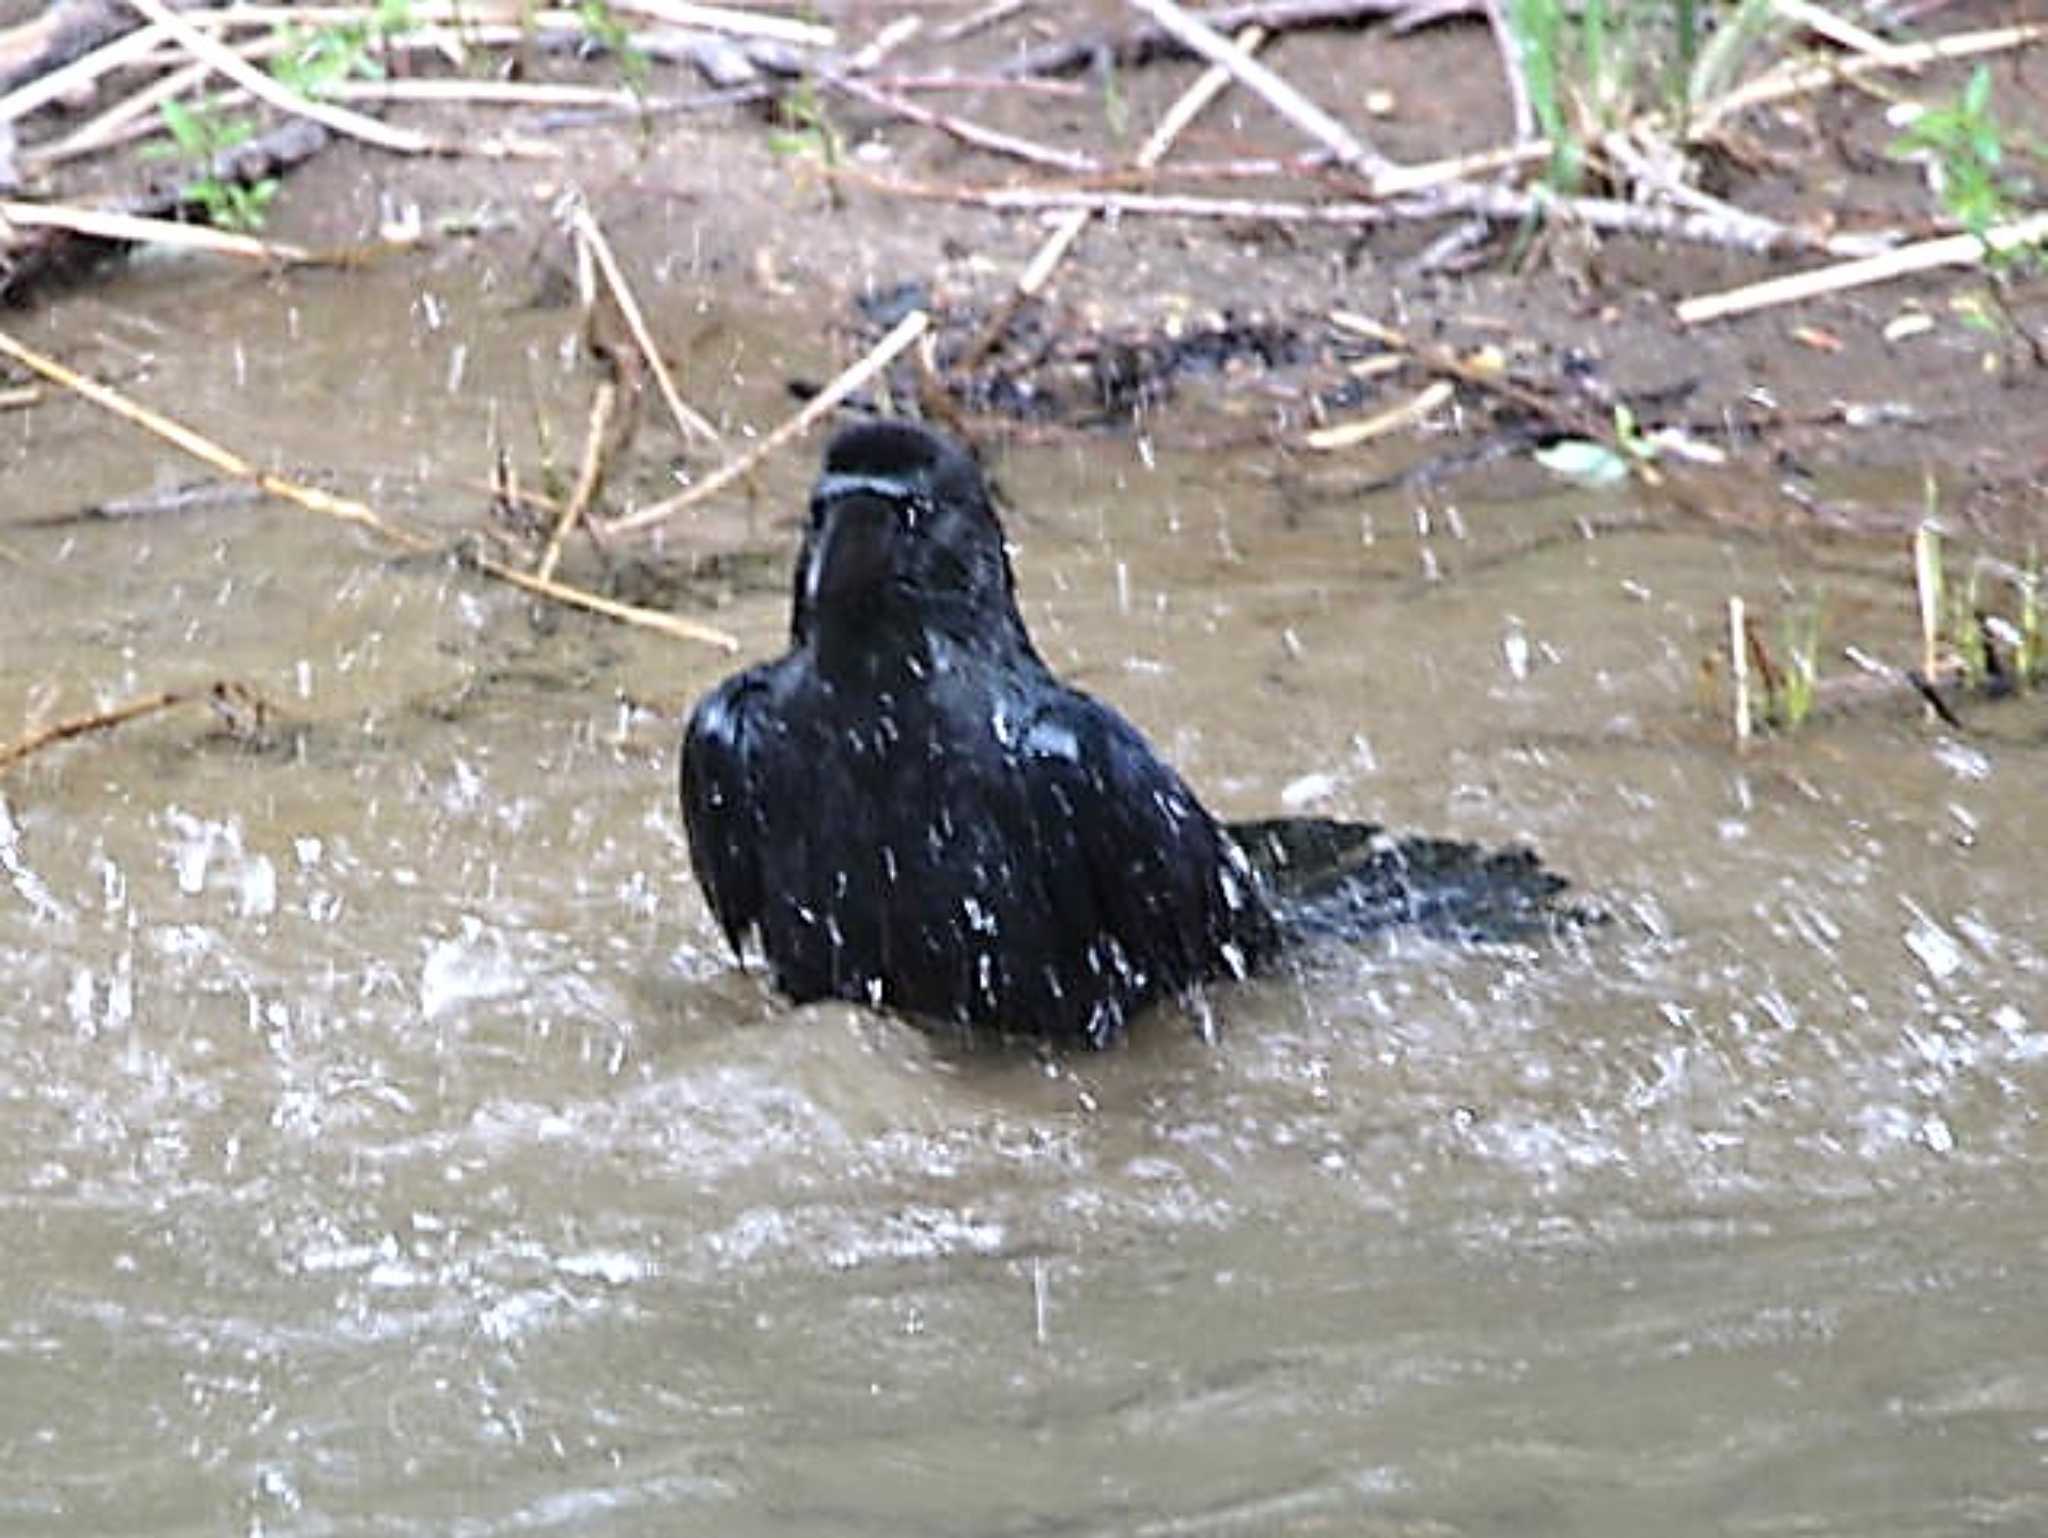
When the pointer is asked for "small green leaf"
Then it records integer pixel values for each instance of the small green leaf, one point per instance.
(184, 126)
(1977, 94)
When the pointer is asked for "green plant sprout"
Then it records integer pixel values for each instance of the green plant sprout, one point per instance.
(2027, 654)
(604, 27)
(202, 134)
(1539, 28)
(1587, 67)
(1966, 632)
(809, 132)
(1116, 108)
(1966, 150)
(1801, 632)
(312, 62)
(315, 60)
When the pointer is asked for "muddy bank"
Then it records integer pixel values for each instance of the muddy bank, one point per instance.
(818, 209)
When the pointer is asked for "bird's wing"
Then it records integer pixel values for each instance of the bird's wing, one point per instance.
(725, 802)
(1133, 855)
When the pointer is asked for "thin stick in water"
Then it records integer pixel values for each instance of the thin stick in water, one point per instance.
(345, 509)
(1738, 662)
(1928, 584)
(97, 721)
(588, 474)
(884, 352)
(687, 418)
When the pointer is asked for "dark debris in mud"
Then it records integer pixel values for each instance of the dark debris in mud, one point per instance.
(1052, 370)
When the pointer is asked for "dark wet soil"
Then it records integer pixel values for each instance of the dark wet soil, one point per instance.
(1217, 330)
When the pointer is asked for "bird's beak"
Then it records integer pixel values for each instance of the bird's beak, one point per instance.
(852, 549)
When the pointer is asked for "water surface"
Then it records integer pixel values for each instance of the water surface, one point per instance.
(394, 1150)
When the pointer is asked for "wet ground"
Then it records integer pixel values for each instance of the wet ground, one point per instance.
(396, 1150)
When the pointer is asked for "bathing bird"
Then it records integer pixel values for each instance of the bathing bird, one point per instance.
(909, 809)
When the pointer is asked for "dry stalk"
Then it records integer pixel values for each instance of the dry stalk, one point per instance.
(1441, 360)
(1738, 663)
(1087, 200)
(1927, 587)
(869, 56)
(991, 139)
(343, 509)
(979, 20)
(1798, 79)
(1521, 108)
(96, 721)
(468, 19)
(1350, 434)
(879, 357)
(164, 232)
(691, 421)
(1198, 36)
(1039, 270)
(718, 18)
(589, 475)
(1644, 172)
(58, 84)
(341, 120)
(1502, 204)
(1072, 54)
(1949, 251)
(1844, 34)
(483, 93)
(133, 117)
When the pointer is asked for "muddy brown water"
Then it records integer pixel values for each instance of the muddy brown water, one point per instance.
(392, 1149)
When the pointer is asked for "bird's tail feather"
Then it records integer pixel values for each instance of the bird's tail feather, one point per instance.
(1346, 880)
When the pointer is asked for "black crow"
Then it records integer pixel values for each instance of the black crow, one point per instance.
(907, 808)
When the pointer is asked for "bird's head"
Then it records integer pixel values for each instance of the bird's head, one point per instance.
(903, 542)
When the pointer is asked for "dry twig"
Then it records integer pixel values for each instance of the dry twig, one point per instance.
(58, 84)
(1797, 79)
(1522, 109)
(98, 721)
(1949, 251)
(164, 232)
(884, 352)
(1039, 270)
(718, 18)
(1347, 435)
(991, 139)
(687, 418)
(589, 475)
(1202, 38)
(979, 20)
(343, 509)
(1072, 54)
(1506, 205)
(339, 119)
